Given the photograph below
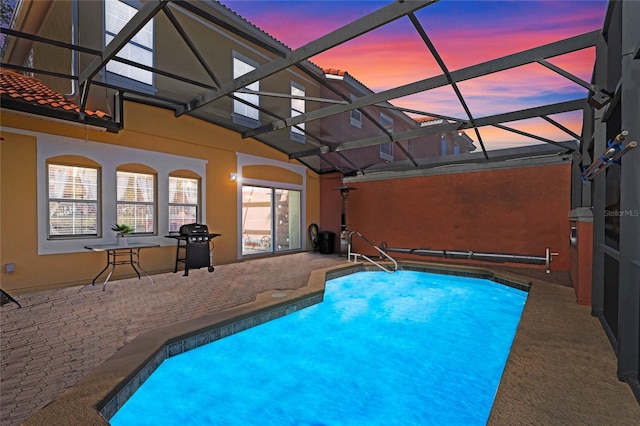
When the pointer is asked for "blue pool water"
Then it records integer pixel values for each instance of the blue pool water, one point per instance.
(409, 348)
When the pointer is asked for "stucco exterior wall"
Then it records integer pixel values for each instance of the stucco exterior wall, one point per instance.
(146, 128)
(56, 59)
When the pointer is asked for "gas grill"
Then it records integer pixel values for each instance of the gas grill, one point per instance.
(194, 247)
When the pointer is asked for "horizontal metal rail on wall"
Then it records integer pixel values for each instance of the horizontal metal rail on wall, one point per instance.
(471, 255)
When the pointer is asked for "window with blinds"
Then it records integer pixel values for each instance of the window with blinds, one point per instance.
(183, 202)
(136, 201)
(140, 49)
(73, 200)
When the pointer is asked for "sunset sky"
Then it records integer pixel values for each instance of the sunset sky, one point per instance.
(464, 33)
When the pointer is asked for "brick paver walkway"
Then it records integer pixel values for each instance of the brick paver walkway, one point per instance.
(58, 336)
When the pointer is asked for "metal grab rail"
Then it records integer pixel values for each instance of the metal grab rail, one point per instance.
(382, 253)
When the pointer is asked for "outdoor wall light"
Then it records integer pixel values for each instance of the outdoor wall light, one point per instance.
(233, 177)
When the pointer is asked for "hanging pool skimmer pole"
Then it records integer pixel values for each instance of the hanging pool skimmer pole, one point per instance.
(611, 155)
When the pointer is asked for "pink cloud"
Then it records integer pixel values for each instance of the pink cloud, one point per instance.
(495, 138)
(484, 47)
(465, 33)
(381, 64)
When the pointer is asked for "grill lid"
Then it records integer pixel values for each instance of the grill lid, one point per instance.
(194, 229)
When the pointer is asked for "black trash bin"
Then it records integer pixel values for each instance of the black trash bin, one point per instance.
(326, 241)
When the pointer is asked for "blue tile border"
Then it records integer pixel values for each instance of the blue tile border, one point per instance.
(442, 270)
(193, 341)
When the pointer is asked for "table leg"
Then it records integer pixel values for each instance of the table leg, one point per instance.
(140, 266)
(105, 268)
(132, 262)
(113, 268)
(175, 269)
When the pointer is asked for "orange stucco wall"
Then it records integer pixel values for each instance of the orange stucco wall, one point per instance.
(513, 211)
(146, 128)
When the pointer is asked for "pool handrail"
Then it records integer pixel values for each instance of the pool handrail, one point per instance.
(355, 256)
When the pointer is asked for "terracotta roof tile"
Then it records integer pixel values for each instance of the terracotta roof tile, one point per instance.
(33, 91)
(333, 71)
(428, 120)
(342, 73)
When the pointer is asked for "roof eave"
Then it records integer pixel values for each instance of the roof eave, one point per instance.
(69, 117)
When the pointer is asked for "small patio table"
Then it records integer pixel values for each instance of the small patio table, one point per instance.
(121, 255)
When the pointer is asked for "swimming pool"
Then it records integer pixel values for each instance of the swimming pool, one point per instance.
(403, 348)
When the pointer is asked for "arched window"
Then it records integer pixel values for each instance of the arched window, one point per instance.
(184, 199)
(136, 198)
(73, 197)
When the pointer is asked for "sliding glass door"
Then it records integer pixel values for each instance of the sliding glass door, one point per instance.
(270, 220)
(287, 219)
